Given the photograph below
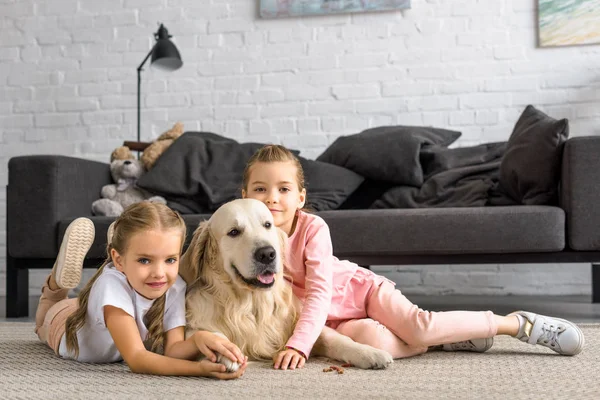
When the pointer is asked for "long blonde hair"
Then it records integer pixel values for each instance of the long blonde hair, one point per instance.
(136, 218)
(273, 153)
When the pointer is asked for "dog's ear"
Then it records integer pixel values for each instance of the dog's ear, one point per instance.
(193, 258)
(283, 243)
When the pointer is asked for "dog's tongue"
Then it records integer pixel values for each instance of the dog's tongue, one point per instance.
(267, 278)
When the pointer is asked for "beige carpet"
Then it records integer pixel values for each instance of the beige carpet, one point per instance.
(510, 370)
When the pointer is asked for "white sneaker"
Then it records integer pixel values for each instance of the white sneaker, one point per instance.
(560, 335)
(110, 233)
(76, 242)
(476, 345)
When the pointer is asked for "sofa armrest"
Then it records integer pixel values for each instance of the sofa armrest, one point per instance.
(580, 192)
(42, 190)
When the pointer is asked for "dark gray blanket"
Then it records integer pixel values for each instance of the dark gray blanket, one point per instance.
(461, 177)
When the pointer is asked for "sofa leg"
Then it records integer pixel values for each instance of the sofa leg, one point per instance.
(595, 283)
(17, 289)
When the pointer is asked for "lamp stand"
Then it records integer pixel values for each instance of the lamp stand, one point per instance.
(139, 88)
(165, 56)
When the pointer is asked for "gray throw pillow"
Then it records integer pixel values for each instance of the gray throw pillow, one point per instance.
(387, 153)
(327, 185)
(530, 168)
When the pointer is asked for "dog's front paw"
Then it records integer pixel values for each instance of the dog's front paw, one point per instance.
(231, 366)
(371, 358)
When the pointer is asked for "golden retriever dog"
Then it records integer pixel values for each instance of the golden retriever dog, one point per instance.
(236, 288)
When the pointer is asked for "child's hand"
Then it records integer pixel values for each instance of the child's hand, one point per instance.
(208, 343)
(218, 371)
(289, 358)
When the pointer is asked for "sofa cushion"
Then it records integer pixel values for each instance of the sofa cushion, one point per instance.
(472, 230)
(530, 168)
(387, 153)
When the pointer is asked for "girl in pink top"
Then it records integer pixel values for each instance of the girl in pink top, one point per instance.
(365, 306)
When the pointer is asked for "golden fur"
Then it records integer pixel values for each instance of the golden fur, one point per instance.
(225, 296)
(258, 321)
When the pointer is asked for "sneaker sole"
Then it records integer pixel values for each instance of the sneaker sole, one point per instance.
(77, 240)
(568, 323)
(110, 233)
(489, 342)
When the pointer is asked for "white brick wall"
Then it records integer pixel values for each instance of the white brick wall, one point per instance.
(68, 86)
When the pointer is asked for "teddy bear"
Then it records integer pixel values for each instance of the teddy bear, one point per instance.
(154, 151)
(125, 171)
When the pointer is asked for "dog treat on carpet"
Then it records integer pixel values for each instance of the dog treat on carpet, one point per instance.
(339, 370)
(347, 365)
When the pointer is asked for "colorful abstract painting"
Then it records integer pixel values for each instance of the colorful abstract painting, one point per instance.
(295, 8)
(569, 22)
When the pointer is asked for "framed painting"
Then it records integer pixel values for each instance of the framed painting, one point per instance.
(568, 22)
(297, 8)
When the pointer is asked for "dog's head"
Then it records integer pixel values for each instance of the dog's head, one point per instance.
(239, 240)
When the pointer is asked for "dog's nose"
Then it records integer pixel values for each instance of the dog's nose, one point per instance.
(127, 162)
(265, 255)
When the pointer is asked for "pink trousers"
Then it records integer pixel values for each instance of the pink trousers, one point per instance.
(51, 316)
(394, 324)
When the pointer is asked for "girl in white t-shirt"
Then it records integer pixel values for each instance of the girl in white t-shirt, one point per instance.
(133, 308)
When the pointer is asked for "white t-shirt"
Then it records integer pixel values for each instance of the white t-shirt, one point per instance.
(112, 289)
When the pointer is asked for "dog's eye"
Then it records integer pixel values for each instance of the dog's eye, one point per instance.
(233, 233)
(268, 225)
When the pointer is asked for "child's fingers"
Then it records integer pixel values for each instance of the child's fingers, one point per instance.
(294, 361)
(212, 368)
(227, 353)
(278, 360)
(231, 375)
(301, 362)
(236, 351)
(226, 375)
(287, 358)
(231, 351)
(228, 349)
(208, 353)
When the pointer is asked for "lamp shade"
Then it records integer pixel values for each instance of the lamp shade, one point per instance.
(165, 55)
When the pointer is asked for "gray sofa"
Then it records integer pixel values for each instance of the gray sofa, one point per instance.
(45, 193)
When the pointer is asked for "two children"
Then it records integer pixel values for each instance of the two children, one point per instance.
(136, 300)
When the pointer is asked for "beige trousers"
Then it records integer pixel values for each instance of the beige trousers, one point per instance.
(51, 316)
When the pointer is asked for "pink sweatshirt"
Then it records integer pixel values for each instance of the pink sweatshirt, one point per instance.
(324, 284)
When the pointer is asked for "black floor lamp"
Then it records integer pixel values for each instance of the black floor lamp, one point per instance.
(165, 56)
